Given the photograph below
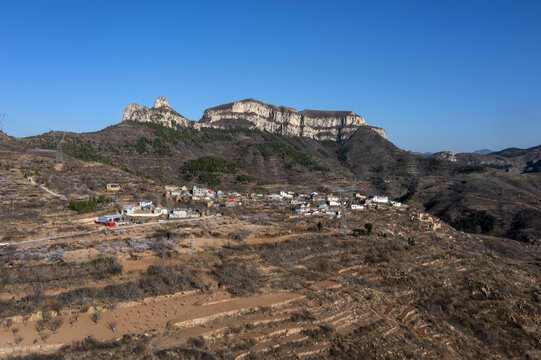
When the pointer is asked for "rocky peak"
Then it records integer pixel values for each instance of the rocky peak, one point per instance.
(315, 124)
(161, 114)
(161, 102)
(444, 155)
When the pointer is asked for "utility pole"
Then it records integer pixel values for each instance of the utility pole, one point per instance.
(345, 212)
(59, 155)
(3, 117)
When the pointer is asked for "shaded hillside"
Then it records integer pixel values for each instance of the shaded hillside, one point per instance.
(385, 167)
(512, 160)
(512, 203)
(159, 153)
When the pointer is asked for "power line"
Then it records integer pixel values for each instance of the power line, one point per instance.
(13, 128)
(2, 118)
(59, 154)
(349, 191)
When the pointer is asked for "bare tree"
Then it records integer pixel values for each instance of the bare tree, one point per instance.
(55, 324)
(18, 339)
(112, 325)
(40, 326)
(44, 337)
(96, 317)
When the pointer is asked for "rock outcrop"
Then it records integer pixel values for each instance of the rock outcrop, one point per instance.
(161, 113)
(315, 124)
(444, 155)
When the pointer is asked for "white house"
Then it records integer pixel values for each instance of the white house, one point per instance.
(332, 197)
(178, 213)
(302, 207)
(128, 209)
(356, 207)
(333, 203)
(286, 195)
(232, 203)
(160, 210)
(274, 197)
(113, 187)
(202, 192)
(145, 203)
(380, 199)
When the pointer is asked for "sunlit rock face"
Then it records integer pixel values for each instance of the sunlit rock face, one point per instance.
(315, 124)
(161, 114)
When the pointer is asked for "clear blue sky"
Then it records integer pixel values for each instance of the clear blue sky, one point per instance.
(437, 75)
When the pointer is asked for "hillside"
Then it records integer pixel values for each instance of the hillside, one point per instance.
(512, 160)
(156, 144)
(443, 184)
(259, 280)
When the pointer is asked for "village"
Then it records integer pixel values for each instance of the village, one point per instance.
(230, 272)
(192, 202)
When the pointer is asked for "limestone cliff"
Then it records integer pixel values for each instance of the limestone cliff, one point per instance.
(315, 124)
(161, 113)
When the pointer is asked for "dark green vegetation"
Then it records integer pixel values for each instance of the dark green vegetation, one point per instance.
(207, 167)
(208, 164)
(274, 146)
(84, 206)
(157, 146)
(475, 221)
(84, 151)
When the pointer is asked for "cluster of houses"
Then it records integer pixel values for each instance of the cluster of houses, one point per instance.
(205, 195)
(312, 204)
(332, 204)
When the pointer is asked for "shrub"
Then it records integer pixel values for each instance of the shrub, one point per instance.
(85, 206)
(141, 144)
(209, 164)
(469, 169)
(243, 178)
(273, 145)
(406, 197)
(342, 153)
(239, 279)
(368, 227)
(210, 179)
(96, 317)
(475, 221)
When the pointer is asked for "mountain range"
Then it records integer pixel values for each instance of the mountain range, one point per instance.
(252, 146)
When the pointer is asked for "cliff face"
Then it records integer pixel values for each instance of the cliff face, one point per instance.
(321, 125)
(315, 124)
(161, 113)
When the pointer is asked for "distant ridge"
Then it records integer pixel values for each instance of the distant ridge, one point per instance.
(483, 152)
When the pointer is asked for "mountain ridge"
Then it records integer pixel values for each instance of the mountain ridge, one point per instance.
(315, 124)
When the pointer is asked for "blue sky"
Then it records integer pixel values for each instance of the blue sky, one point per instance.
(437, 75)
